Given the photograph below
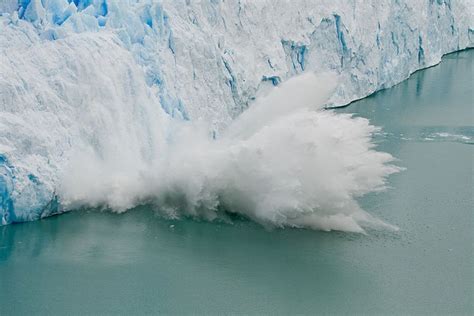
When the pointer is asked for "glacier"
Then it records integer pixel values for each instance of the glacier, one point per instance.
(118, 103)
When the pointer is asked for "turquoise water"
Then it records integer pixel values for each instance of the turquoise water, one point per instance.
(136, 263)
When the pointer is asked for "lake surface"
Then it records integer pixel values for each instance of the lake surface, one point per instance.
(137, 263)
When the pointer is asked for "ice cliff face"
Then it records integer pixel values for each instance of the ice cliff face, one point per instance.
(209, 59)
(108, 76)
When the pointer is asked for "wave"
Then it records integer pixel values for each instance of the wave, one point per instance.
(284, 162)
(460, 135)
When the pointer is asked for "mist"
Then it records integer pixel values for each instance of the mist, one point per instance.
(284, 162)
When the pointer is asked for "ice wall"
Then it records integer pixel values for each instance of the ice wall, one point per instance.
(72, 73)
(57, 104)
(189, 48)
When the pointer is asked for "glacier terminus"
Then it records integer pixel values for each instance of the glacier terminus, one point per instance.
(123, 90)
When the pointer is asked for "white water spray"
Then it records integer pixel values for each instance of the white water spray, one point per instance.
(283, 162)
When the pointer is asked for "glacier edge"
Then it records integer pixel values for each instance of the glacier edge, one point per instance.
(198, 61)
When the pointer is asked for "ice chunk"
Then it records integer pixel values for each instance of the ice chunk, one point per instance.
(35, 12)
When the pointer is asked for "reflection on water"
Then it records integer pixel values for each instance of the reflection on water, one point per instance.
(137, 263)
